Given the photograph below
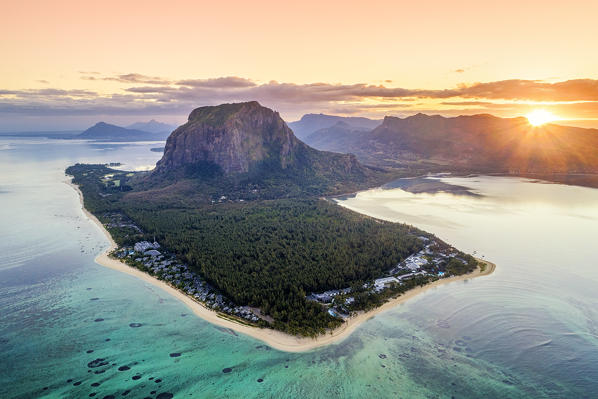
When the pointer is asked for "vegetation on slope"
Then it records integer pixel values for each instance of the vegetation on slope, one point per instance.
(268, 254)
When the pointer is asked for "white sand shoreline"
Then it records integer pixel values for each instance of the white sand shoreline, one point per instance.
(275, 339)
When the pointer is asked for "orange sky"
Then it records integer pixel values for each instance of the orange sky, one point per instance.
(417, 46)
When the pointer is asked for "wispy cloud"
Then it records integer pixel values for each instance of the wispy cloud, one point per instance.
(517, 89)
(128, 78)
(229, 82)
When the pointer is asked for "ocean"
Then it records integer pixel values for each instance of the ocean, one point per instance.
(70, 328)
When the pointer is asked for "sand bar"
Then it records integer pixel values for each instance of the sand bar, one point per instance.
(275, 339)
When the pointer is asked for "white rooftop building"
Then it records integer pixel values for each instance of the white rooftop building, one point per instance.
(380, 283)
(143, 246)
(415, 262)
(152, 253)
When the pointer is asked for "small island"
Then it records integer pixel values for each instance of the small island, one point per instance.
(235, 222)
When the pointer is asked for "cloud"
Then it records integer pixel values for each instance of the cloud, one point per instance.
(517, 89)
(49, 92)
(229, 82)
(129, 78)
(149, 95)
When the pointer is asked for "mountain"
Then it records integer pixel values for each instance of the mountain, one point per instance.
(247, 151)
(152, 126)
(477, 143)
(246, 138)
(309, 123)
(103, 131)
(337, 138)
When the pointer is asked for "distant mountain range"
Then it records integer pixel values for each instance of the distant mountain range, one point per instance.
(477, 143)
(102, 131)
(335, 137)
(152, 126)
(310, 123)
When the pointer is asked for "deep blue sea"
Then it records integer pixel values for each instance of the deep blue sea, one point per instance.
(70, 328)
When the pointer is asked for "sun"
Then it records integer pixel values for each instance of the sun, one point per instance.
(540, 116)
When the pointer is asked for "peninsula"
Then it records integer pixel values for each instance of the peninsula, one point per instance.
(232, 222)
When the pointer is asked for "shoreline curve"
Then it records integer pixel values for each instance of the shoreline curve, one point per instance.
(274, 338)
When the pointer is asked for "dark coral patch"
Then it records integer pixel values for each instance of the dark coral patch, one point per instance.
(93, 299)
(382, 356)
(46, 388)
(135, 325)
(124, 368)
(77, 383)
(89, 351)
(109, 397)
(98, 319)
(227, 370)
(69, 380)
(97, 363)
(175, 354)
(95, 384)
(158, 380)
(260, 380)
(91, 395)
(136, 377)
(165, 395)
(107, 340)
(125, 393)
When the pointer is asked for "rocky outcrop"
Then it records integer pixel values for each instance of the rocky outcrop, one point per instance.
(239, 138)
(232, 136)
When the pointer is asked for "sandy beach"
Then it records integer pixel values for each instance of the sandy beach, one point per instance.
(275, 339)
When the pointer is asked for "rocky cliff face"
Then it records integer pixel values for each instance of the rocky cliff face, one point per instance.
(243, 137)
(233, 136)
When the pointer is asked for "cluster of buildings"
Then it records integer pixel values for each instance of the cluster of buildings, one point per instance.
(427, 262)
(327, 296)
(146, 255)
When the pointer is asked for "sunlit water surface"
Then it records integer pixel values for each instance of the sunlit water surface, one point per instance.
(528, 330)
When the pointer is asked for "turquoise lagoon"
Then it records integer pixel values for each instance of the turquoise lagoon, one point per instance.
(530, 330)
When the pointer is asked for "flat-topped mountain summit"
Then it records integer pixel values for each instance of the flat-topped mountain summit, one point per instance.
(235, 137)
(246, 144)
